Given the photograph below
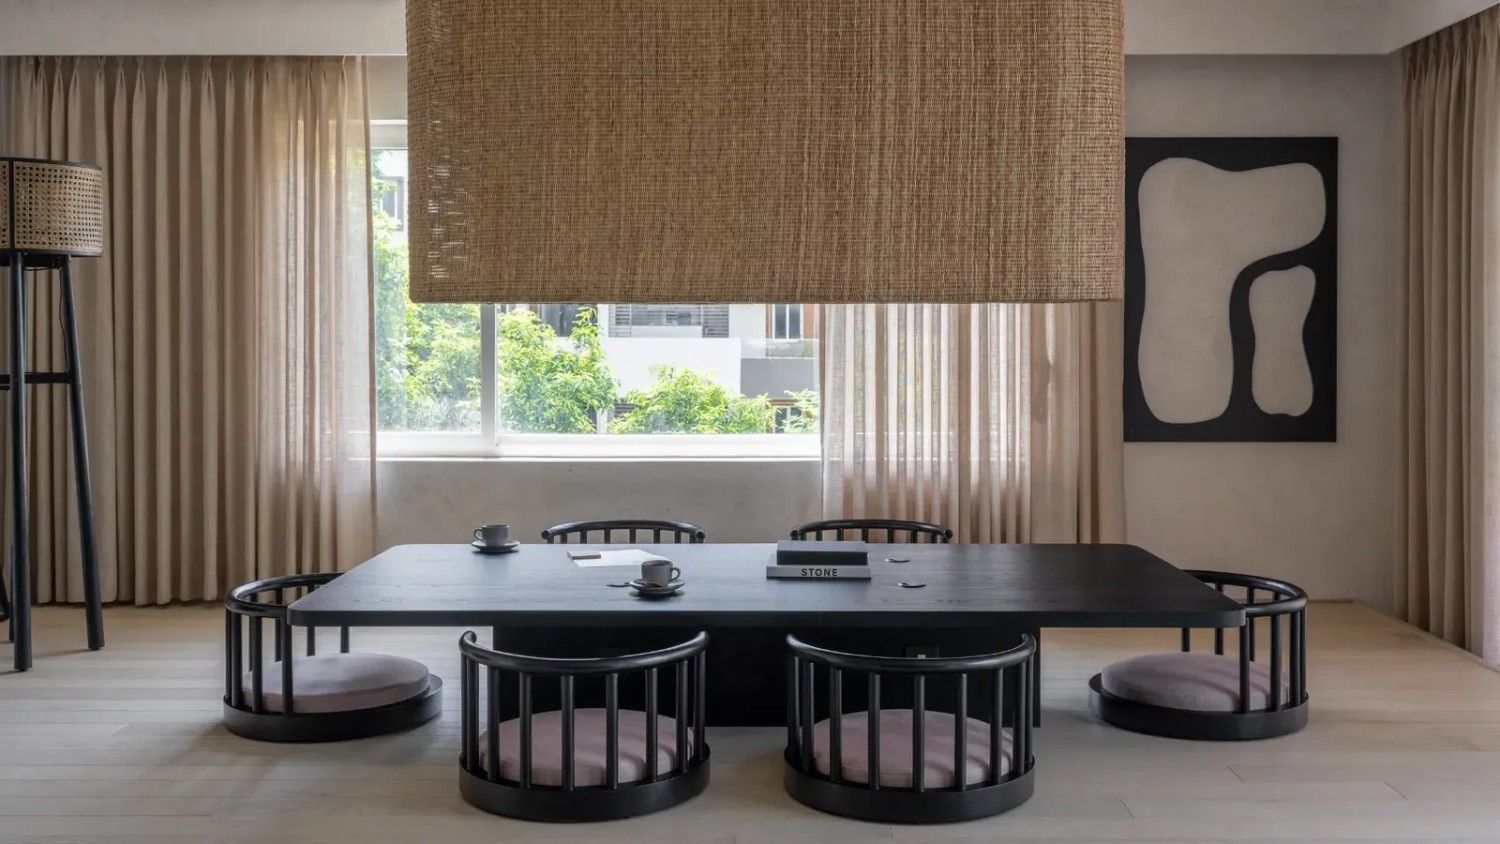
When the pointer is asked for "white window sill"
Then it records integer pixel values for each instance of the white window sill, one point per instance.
(636, 447)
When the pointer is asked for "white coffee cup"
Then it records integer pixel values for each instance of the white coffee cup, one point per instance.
(493, 535)
(659, 572)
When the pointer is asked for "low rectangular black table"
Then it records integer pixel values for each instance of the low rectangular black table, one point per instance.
(977, 599)
(1011, 586)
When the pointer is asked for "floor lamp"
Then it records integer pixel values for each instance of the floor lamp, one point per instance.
(50, 213)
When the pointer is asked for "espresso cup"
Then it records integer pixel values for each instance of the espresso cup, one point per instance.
(492, 535)
(659, 572)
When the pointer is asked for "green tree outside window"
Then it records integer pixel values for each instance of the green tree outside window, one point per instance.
(550, 385)
(687, 401)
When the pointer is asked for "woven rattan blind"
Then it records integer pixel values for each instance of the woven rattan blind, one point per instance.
(766, 150)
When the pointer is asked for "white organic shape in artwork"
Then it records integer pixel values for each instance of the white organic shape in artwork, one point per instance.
(1281, 380)
(1200, 227)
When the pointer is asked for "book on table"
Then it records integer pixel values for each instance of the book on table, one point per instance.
(812, 560)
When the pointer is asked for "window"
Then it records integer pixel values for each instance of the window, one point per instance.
(675, 380)
(786, 322)
(390, 171)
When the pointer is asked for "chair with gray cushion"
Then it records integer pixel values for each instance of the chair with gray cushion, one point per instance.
(582, 763)
(333, 696)
(1217, 696)
(896, 760)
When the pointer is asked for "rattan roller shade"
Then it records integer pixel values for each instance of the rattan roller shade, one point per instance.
(766, 150)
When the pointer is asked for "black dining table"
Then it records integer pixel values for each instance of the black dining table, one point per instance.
(973, 598)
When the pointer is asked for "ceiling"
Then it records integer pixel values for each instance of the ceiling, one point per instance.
(375, 27)
(1230, 27)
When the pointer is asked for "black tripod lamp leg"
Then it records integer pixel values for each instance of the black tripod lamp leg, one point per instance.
(4, 605)
(92, 602)
(20, 575)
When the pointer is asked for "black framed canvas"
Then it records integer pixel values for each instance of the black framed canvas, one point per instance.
(1231, 289)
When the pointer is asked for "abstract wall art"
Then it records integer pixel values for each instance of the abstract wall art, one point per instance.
(1231, 289)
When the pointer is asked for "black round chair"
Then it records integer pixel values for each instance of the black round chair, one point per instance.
(582, 763)
(676, 532)
(313, 697)
(909, 764)
(861, 529)
(1217, 697)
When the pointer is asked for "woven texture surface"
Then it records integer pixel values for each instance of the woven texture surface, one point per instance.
(59, 208)
(4, 204)
(777, 150)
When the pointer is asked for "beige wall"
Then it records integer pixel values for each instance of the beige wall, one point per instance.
(1317, 513)
(386, 79)
(734, 500)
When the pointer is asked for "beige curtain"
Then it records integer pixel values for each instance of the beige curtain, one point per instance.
(1448, 546)
(226, 333)
(1002, 422)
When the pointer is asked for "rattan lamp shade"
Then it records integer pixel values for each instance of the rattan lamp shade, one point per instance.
(766, 150)
(51, 207)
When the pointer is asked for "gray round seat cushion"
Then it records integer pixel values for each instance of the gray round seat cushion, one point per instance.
(342, 682)
(590, 747)
(1201, 682)
(895, 749)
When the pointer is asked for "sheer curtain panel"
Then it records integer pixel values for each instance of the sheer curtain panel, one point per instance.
(226, 333)
(1002, 422)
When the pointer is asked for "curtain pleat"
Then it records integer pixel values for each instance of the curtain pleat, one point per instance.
(1002, 422)
(1448, 530)
(226, 334)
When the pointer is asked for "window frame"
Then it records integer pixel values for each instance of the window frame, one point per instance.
(781, 322)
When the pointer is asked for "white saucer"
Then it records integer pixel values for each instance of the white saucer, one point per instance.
(505, 548)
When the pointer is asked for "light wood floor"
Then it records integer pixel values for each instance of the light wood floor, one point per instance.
(125, 745)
